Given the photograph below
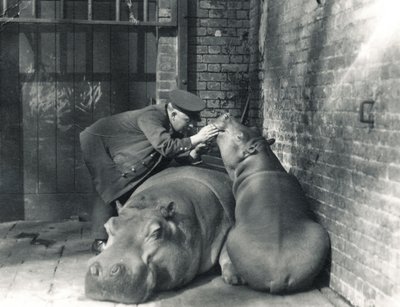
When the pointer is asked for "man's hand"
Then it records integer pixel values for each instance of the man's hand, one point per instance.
(196, 152)
(206, 133)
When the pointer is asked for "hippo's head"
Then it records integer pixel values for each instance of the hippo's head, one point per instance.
(146, 251)
(236, 141)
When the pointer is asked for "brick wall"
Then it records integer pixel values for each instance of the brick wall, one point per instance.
(319, 63)
(218, 60)
(167, 62)
(167, 65)
(308, 67)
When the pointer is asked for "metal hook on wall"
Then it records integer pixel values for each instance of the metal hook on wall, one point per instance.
(370, 120)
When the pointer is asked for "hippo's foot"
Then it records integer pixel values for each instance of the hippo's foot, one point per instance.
(230, 276)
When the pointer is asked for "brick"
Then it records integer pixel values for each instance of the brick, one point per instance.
(227, 86)
(210, 113)
(214, 49)
(212, 77)
(215, 59)
(167, 66)
(237, 59)
(214, 67)
(167, 85)
(208, 4)
(235, 23)
(231, 14)
(198, 32)
(234, 5)
(202, 13)
(218, 14)
(213, 86)
(214, 104)
(233, 67)
(201, 67)
(208, 41)
(164, 13)
(243, 14)
(212, 95)
(199, 50)
(214, 23)
(228, 104)
(166, 76)
(167, 49)
(201, 85)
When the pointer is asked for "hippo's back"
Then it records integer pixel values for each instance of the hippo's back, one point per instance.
(218, 182)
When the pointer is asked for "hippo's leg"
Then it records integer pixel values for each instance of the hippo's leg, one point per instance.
(229, 273)
(101, 212)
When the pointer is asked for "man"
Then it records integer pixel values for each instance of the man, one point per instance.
(123, 150)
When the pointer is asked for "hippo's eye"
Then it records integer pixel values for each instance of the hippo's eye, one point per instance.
(156, 234)
(155, 231)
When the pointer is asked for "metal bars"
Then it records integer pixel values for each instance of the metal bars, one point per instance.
(117, 10)
(34, 8)
(4, 8)
(90, 9)
(146, 10)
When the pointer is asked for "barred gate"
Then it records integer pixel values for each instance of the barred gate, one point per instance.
(63, 65)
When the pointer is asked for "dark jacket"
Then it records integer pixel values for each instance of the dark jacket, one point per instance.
(123, 150)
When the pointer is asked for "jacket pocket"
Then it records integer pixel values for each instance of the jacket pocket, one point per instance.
(135, 167)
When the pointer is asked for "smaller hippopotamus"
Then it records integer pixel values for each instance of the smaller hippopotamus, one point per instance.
(275, 246)
(171, 229)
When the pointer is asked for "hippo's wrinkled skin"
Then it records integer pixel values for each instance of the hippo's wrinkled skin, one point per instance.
(274, 245)
(171, 229)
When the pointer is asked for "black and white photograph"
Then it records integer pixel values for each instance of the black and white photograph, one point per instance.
(200, 153)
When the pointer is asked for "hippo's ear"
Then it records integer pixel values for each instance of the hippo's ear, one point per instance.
(251, 149)
(168, 211)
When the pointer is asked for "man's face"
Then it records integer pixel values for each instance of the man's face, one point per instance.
(180, 121)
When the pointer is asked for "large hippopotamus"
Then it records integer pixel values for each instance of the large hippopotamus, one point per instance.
(274, 246)
(171, 229)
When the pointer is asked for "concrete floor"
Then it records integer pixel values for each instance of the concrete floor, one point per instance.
(44, 264)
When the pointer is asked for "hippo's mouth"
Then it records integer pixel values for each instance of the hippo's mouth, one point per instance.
(219, 126)
(121, 286)
(220, 122)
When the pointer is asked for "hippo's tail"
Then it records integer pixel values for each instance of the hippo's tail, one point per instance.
(279, 285)
(288, 285)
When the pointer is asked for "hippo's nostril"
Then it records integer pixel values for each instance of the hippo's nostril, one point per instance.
(95, 269)
(226, 115)
(116, 269)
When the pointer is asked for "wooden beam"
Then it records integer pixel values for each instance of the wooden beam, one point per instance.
(4, 8)
(88, 22)
(117, 10)
(34, 8)
(62, 8)
(90, 9)
(145, 10)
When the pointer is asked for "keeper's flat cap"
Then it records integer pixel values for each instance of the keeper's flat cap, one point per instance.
(186, 102)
